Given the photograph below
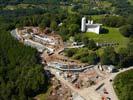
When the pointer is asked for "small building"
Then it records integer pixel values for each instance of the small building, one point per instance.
(33, 44)
(89, 26)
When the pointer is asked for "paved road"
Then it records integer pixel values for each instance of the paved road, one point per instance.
(109, 85)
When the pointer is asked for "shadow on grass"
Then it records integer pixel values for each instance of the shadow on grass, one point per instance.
(104, 31)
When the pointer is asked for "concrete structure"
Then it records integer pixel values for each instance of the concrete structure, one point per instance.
(107, 44)
(110, 68)
(44, 40)
(65, 67)
(83, 24)
(89, 26)
(15, 34)
(33, 44)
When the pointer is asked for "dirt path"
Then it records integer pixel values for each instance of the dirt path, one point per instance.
(87, 93)
(109, 85)
(90, 93)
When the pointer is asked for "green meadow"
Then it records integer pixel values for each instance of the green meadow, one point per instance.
(113, 36)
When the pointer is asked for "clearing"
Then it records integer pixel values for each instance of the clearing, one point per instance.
(113, 36)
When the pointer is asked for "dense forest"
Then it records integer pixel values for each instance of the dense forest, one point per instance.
(123, 85)
(21, 75)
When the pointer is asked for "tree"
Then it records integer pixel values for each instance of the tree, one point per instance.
(46, 22)
(78, 37)
(90, 44)
(130, 20)
(85, 40)
(21, 75)
(126, 62)
(126, 55)
(130, 47)
(109, 56)
(63, 31)
(92, 58)
(126, 30)
(113, 21)
(53, 25)
(73, 19)
(73, 28)
(70, 52)
(42, 26)
(89, 57)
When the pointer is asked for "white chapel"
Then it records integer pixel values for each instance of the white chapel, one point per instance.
(89, 26)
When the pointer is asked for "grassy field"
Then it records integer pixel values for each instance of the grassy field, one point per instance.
(113, 36)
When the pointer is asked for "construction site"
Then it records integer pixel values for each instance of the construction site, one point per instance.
(75, 75)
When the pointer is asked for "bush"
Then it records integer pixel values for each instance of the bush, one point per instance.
(70, 52)
(104, 31)
(109, 57)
